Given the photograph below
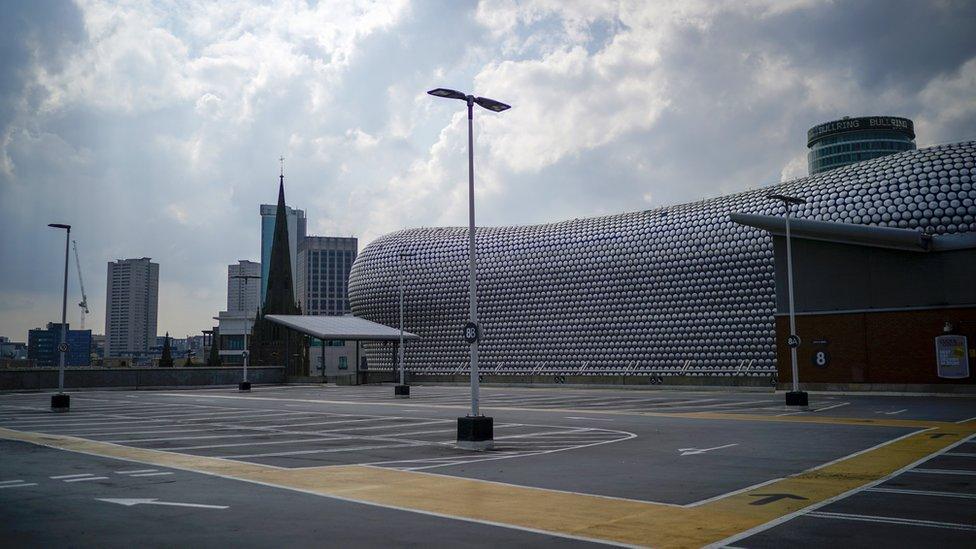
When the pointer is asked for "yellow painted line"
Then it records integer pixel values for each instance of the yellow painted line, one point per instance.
(561, 513)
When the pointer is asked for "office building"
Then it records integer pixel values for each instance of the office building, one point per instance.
(244, 287)
(678, 289)
(243, 301)
(296, 234)
(42, 346)
(324, 263)
(849, 140)
(12, 350)
(131, 307)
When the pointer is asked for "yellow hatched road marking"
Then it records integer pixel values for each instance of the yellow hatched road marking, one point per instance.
(563, 513)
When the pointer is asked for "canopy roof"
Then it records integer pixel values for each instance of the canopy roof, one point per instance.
(340, 327)
(864, 235)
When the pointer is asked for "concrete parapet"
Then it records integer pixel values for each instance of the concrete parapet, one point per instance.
(21, 379)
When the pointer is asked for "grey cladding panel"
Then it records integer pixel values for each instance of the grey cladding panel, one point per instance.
(656, 287)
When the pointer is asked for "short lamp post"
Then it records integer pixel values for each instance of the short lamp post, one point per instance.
(475, 432)
(402, 390)
(244, 386)
(796, 397)
(62, 402)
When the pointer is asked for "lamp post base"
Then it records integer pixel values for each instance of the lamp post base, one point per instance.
(60, 402)
(401, 391)
(244, 386)
(475, 433)
(797, 398)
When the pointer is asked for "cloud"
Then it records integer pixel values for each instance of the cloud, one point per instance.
(155, 128)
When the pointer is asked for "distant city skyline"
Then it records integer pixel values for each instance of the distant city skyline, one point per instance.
(156, 132)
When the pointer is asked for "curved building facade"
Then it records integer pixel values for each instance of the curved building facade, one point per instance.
(849, 140)
(663, 290)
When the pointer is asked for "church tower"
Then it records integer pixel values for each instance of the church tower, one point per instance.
(272, 344)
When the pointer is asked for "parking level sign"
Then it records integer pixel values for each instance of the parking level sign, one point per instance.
(952, 356)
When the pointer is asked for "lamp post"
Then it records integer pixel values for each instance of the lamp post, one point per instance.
(62, 402)
(796, 397)
(475, 432)
(402, 390)
(244, 386)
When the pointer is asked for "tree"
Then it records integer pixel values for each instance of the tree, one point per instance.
(214, 358)
(166, 361)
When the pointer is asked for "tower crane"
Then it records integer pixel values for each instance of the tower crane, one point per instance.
(81, 282)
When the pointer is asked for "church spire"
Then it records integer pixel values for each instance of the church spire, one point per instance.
(280, 296)
(272, 344)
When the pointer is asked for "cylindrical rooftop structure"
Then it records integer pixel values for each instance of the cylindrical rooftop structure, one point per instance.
(848, 140)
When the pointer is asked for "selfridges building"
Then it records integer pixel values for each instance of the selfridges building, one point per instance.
(679, 288)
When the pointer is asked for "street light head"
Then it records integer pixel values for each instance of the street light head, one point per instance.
(59, 226)
(450, 94)
(787, 199)
(491, 104)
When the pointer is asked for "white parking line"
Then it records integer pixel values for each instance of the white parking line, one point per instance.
(21, 485)
(60, 477)
(943, 472)
(195, 437)
(893, 520)
(153, 474)
(831, 407)
(2, 482)
(86, 479)
(326, 451)
(135, 471)
(393, 426)
(922, 492)
(207, 447)
(961, 454)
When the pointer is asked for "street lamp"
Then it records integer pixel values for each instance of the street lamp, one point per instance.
(796, 397)
(475, 432)
(61, 402)
(402, 390)
(244, 386)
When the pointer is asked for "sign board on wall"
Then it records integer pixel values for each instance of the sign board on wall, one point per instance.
(952, 356)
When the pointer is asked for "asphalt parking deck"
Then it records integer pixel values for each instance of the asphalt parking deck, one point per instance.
(661, 468)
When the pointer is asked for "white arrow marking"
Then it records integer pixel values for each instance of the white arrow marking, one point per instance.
(693, 451)
(129, 502)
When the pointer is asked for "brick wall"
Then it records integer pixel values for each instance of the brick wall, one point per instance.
(875, 347)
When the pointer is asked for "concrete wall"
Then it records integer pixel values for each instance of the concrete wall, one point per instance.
(74, 378)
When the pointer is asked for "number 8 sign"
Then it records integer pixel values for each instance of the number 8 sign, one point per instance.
(820, 358)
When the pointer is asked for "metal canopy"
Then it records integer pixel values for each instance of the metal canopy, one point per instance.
(340, 327)
(863, 235)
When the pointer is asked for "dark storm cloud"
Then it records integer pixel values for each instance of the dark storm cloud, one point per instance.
(885, 43)
(159, 133)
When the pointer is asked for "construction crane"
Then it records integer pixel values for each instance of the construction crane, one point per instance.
(81, 282)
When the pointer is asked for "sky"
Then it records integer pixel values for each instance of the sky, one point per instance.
(155, 128)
